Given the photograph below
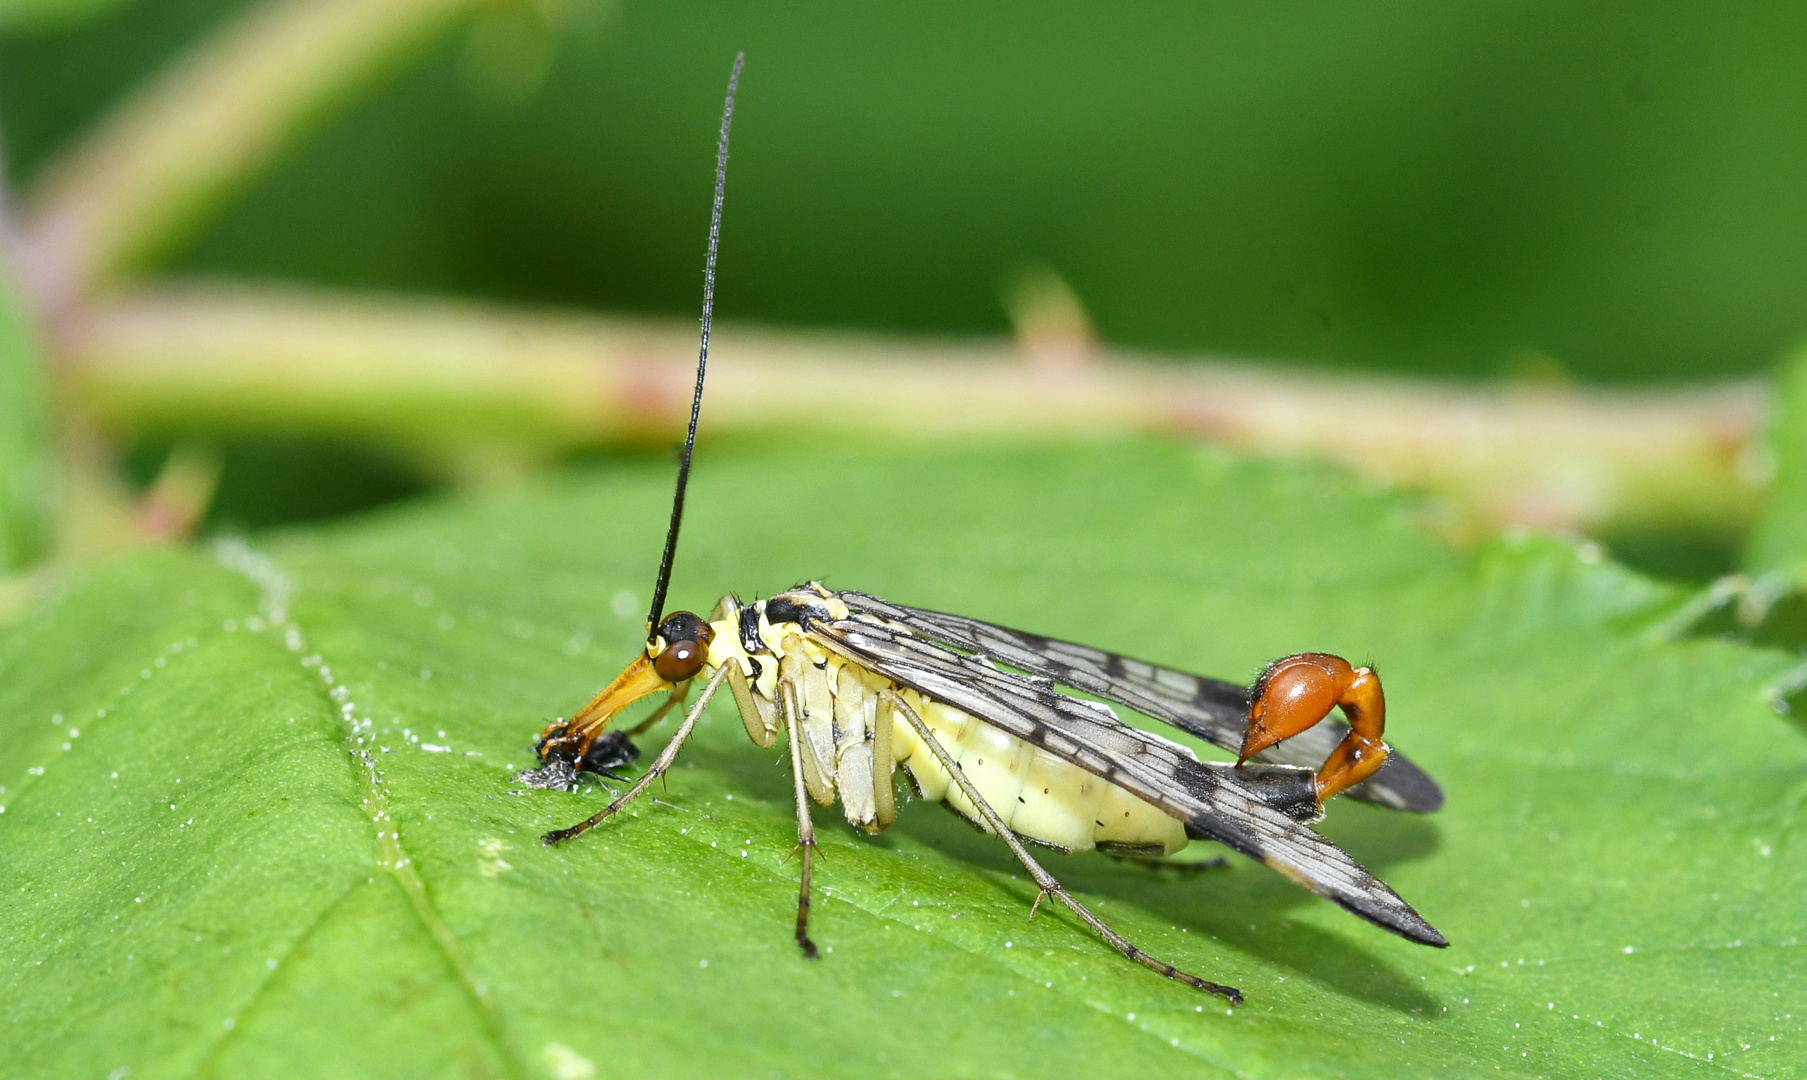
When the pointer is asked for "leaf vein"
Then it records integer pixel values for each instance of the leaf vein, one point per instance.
(277, 593)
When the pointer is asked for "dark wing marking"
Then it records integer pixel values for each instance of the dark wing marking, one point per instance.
(1212, 709)
(1208, 797)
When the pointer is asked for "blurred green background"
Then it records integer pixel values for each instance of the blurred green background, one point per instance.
(1427, 187)
(1609, 192)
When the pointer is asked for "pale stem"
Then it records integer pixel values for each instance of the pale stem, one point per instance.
(153, 167)
(458, 382)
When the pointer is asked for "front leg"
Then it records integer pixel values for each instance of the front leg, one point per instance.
(1295, 693)
(616, 750)
(659, 767)
(675, 701)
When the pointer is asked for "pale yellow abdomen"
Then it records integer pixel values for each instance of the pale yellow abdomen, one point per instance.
(1038, 795)
(846, 755)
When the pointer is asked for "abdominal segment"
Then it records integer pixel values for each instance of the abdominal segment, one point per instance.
(1039, 796)
(851, 741)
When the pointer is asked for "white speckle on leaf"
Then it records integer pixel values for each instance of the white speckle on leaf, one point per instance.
(491, 863)
(566, 1063)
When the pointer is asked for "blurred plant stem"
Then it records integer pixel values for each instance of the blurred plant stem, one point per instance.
(485, 395)
(158, 163)
(475, 391)
(144, 177)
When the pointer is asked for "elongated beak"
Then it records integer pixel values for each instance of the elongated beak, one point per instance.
(639, 680)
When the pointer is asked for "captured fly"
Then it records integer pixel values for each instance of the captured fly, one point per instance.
(974, 716)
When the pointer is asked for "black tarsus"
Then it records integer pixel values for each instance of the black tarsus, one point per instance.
(702, 356)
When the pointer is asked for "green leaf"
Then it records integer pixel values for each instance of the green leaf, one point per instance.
(48, 15)
(25, 463)
(259, 819)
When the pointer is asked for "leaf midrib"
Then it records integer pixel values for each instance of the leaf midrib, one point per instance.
(393, 857)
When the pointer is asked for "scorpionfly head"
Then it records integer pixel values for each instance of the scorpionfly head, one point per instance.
(673, 655)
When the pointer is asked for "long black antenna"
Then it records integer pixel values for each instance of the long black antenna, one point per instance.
(702, 358)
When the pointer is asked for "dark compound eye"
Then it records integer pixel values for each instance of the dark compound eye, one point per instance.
(687, 646)
(680, 660)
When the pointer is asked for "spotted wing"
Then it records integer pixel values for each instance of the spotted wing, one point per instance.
(1208, 797)
(1212, 709)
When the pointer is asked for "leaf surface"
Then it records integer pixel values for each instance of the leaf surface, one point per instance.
(259, 820)
(51, 15)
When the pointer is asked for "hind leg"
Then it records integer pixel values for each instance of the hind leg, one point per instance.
(1044, 880)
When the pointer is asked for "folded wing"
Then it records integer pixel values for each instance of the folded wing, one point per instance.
(1208, 797)
(1211, 709)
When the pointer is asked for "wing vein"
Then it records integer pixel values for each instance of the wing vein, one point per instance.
(1209, 797)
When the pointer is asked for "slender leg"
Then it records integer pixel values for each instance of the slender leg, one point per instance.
(806, 827)
(613, 749)
(676, 699)
(666, 757)
(1044, 880)
(1216, 862)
